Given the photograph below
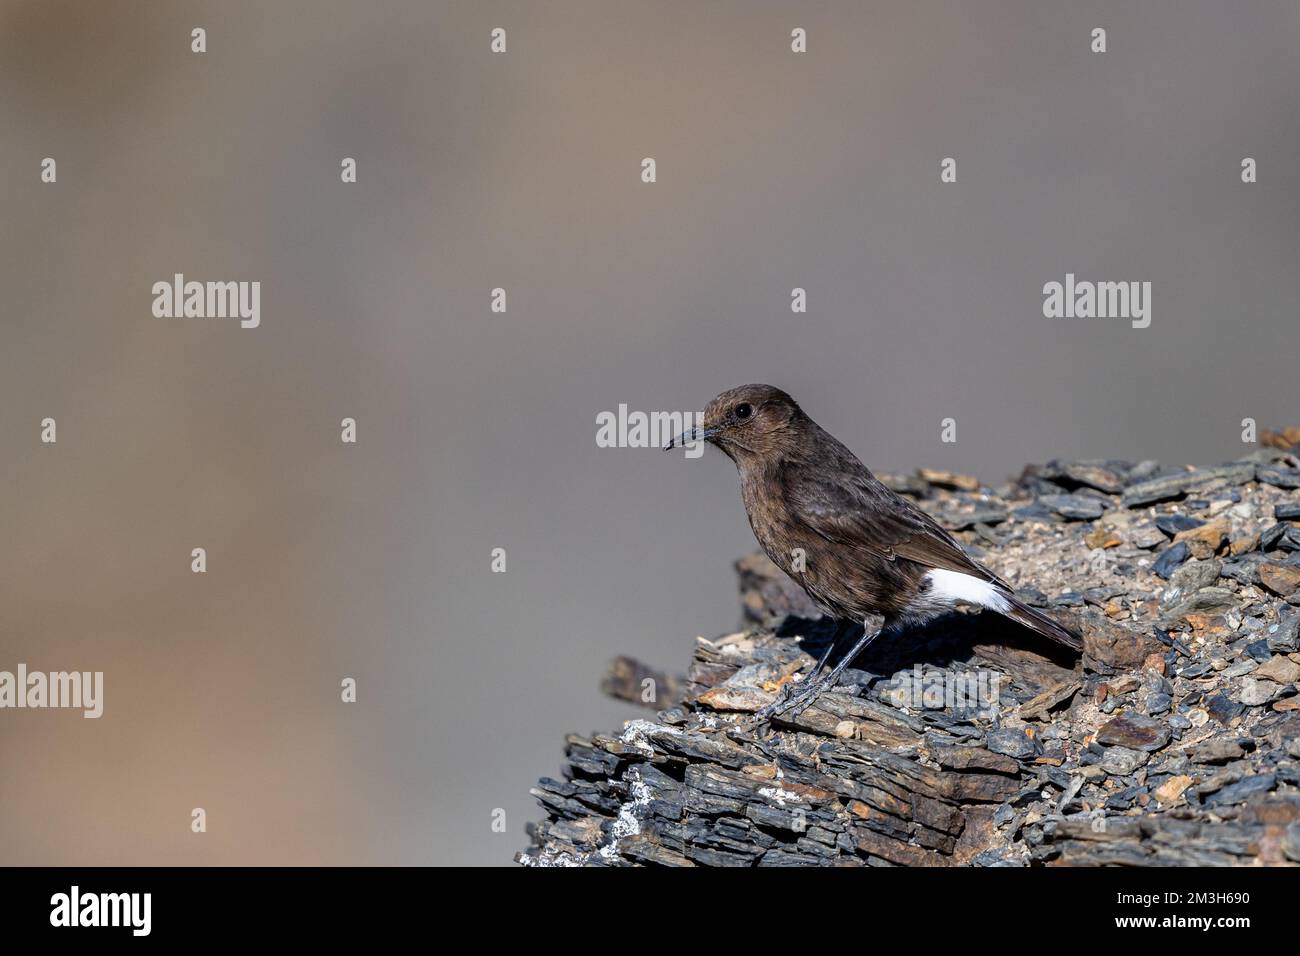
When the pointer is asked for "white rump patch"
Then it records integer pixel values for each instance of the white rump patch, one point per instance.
(952, 586)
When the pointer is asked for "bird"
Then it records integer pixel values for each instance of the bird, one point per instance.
(856, 547)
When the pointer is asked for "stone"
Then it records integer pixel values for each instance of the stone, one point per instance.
(1243, 790)
(1195, 575)
(1135, 732)
(1205, 541)
(1170, 559)
(1279, 477)
(1284, 636)
(1224, 709)
(1176, 485)
(1291, 841)
(1122, 761)
(1157, 702)
(1281, 669)
(1171, 791)
(1074, 507)
(1281, 579)
(1172, 524)
(1255, 693)
(1206, 599)
(1147, 536)
(1218, 750)
(948, 479)
(1010, 742)
(1110, 645)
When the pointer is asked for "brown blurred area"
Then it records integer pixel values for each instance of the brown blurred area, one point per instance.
(477, 430)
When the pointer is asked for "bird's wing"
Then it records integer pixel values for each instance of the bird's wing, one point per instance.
(851, 508)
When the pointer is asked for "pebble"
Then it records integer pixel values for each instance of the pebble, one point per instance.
(1242, 790)
(1195, 575)
(1012, 742)
(1279, 668)
(1281, 579)
(1284, 636)
(1122, 761)
(1133, 731)
(1170, 559)
(1254, 693)
(1074, 507)
(1223, 708)
(1173, 524)
(1157, 703)
(1205, 540)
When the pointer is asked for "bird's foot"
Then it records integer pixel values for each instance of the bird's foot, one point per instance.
(792, 697)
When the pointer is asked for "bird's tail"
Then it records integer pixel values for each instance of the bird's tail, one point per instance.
(1022, 613)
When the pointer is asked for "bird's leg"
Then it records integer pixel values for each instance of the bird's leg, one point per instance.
(842, 627)
(811, 688)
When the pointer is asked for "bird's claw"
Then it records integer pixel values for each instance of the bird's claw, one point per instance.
(790, 699)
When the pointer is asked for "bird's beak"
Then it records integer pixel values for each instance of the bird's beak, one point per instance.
(691, 436)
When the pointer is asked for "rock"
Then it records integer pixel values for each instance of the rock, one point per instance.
(1218, 750)
(1178, 484)
(1157, 703)
(1135, 732)
(1170, 559)
(1224, 709)
(1206, 599)
(1243, 790)
(961, 520)
(975, 758)
(1240, 546)
(1280, 477)
(1205, 541)
(1281, 579)
(1171, 791)
(1287, 511)
(1174, 524)
(1255, 693)
(1271, 539)
(1010, 742)
(1040, 705)
(1111, 646)
(1195, 575)
(1102, 475)
(1074, 507)
(1284, 636)
(1281, 669)
(1147, 536)
(1102, 538)
(948, 479)
(1121, 761)
(1181, 724)
(1291, 841)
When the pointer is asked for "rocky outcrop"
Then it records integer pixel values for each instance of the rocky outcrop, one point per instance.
(1174, 741)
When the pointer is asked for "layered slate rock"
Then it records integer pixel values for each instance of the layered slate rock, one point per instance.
(1174, 741)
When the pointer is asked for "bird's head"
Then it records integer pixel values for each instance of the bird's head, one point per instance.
(750, 423)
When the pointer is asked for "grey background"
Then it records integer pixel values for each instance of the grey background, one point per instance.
(478, 430)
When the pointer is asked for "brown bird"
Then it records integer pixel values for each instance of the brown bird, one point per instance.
(854, 545)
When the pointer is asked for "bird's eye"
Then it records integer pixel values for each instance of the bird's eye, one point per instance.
(744, 410)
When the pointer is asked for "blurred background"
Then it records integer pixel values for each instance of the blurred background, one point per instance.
(477, 430)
